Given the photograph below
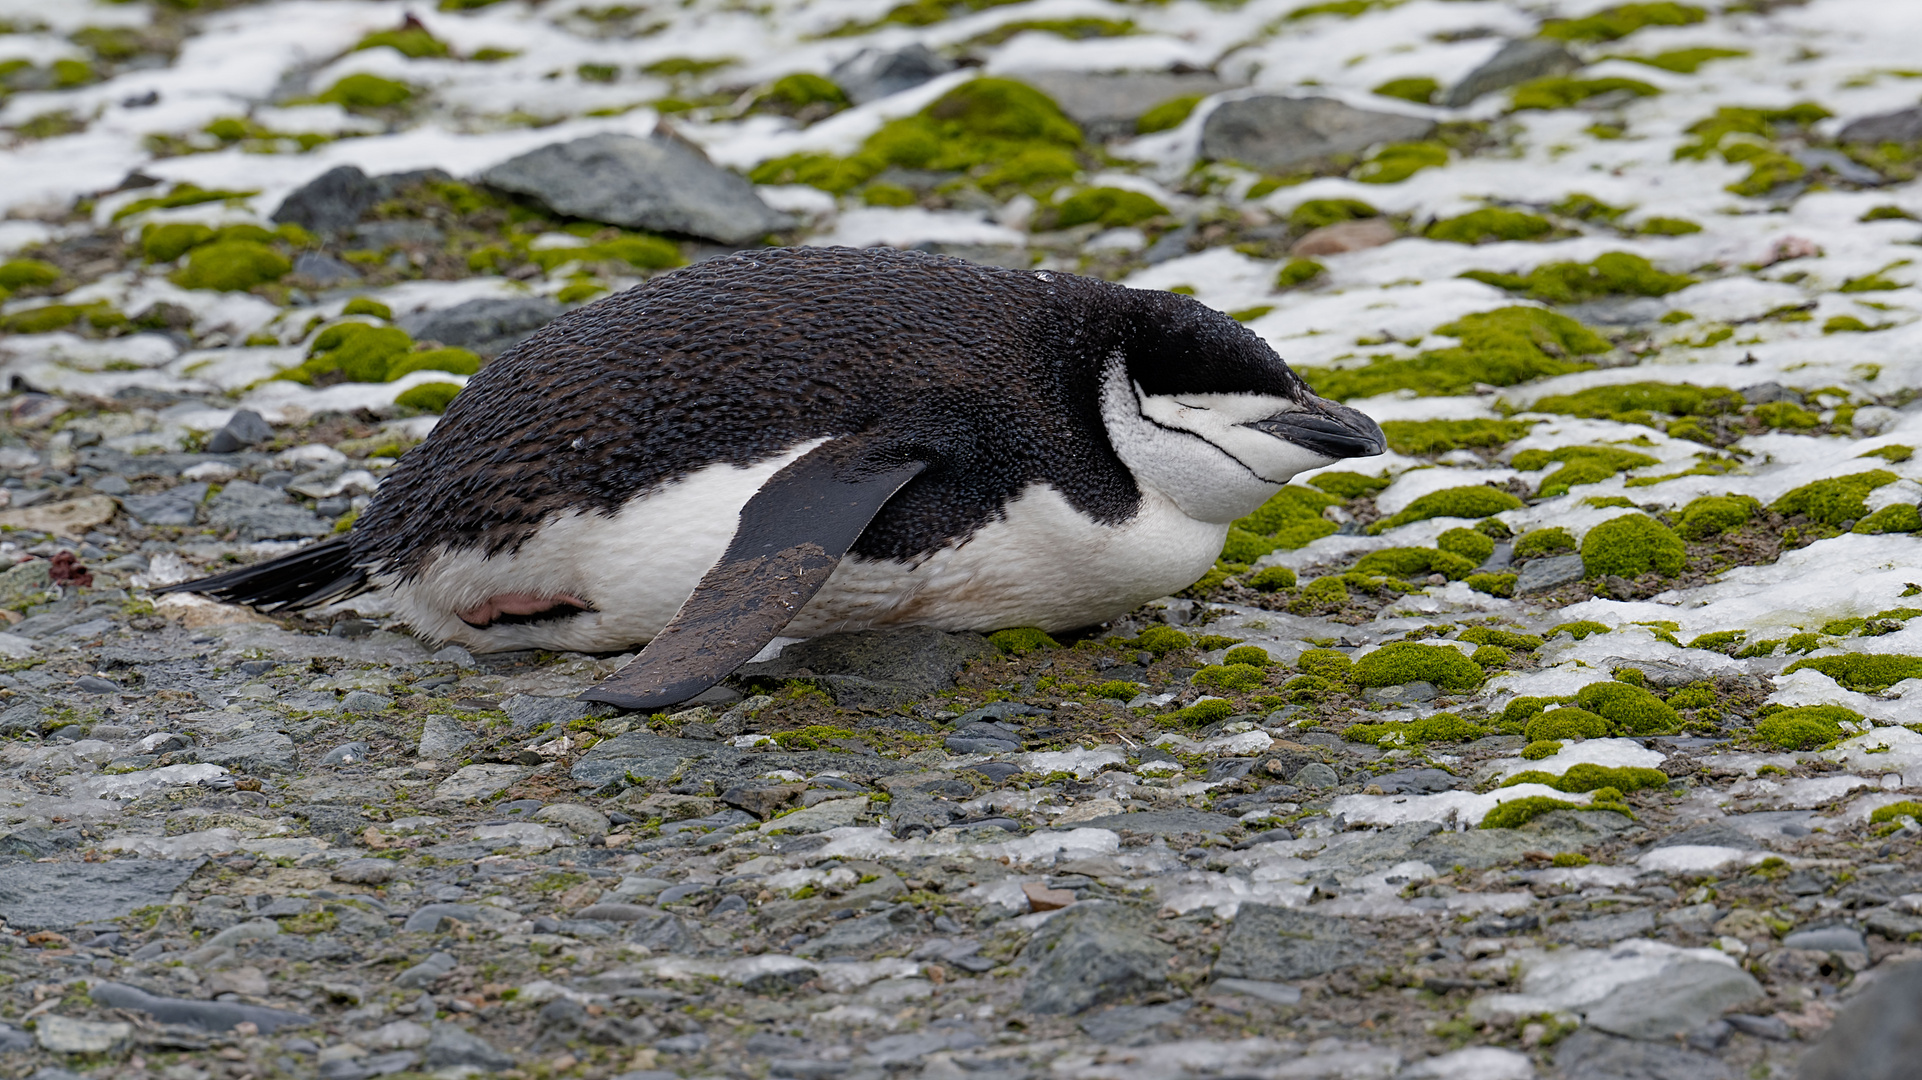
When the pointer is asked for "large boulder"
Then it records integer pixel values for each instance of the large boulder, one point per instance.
(873, 74)
(1270, 132)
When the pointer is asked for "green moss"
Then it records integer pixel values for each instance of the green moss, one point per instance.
(1614, 23)
(1162, 640)
(802, 89)
(1022, 640)
(1833, 501)
(1886, 212)
(1589, 777)
(1613, 273)
(1081, 28)
(1117, 689)
(413, 42)
(1905, 808)
(1865, 673)
(641, 251)
(1498, 348)
(29, 273)
(1290, 519)
(1849, 324)
(1271, 579)
(1786, 414)
(1467, 543)
(1545, 748)
(1515, 813)
(1487, 635)
(1492, 656)
(1565, 723)
(1667, 226)
(1201, 714)
(1168, 115)
(1478, 501)
(1580, 465)
(1879, 281)
(1419, 89)
(1113, 207)
(1633, 403)
(888, 195)
(1895, 518)
(1231, 678)
(1441, 727)
(1757, 129)
(1401, 662)
(1539, 542)
(1629, 710)
(1502, 585)
(363, 305)
(1718, 640)
(675, 67)
(363, 91)
(180, 195)
(1330, 664)
(1297, 272)
(1411, 562)
(1317, 213)
(231, 266)
(1709, 515)
(1805, 728)
(1488, 225)
(432, 397)
(1398, 161)
(1250, 655)
(1349, 485)
(1567, 91)
(1631, 545)
(454, 361)
(1518, 711)
(47, 318)
(1685, 61)
(1423, 437)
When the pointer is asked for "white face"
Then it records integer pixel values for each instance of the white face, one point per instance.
(1195, 449)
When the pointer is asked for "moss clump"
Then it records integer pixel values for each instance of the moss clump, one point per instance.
(412, 41)
(1113, 207)
(1685, 61)
(1849, 324)
(232, 266)
(1297, 272)
(1836, 500)
(363, 305)
(1318, 213)
(1488, 225)
(1613, 273)
(1897, 518)
(792, 93)
(1632, 545)
(30, 273)
(1539, 542)
(1290, 519)
(1633, 403)
(1231, 678)
(643, 252)
(1614, 23)
(1498, 348)
(1441, 727)
(1168, 115)
(1566, 91)
(1330, 664)
(1398, 161)
(1545, 748)
(100, 315)
(1502, 585)
(1488, 635)
(454, 361)
(1349, 485)
(1022, 640)
(1419, 89)
(1271, 579)
(361, 92)
(1516, 713)
(1580, 629)
(1200, 714)
(1786, 414)
(433, 397)
(1565, 723)
(356, 351)
(1709, 515)
(1516, 813)
(1747, 136)
(1468, 544)
(1580, 465)
(1162, 640)
(1667, 226)
(180, 195)
(1401, 662)
(1629, 710)
(1864, 673)
(1905, 808)
(1412, 562)
(1323, 592)
(1805, 728)
(1478, 501)
(1251, 655)
(1718, 640)
(1421, 437)
(1589, 777)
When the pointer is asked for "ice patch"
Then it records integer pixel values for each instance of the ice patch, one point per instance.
(1885, 751)
(1447, 807)
(1083, 763)
(1694, 858)
(1568, 980)
(1609, 753)
(135, 784)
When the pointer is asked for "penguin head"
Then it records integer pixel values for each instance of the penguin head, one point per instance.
(1201, 409)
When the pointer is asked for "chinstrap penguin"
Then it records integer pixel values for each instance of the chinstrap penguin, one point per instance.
(794, 442)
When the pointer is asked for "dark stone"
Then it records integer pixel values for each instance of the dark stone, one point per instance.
(863, 933)
(1539, 575)
(872, 74)
(961, 744)
(14, 1040)
(1271, 132)
(36, 896)
(206, 1015)
(1175, 822)
(763, 801)
(1903, 126)
(1107, 106)
(36, 843)
(451, 1046)
(261, 752)
(244, 429)
(873, 669)
(658, 183)
(666, 934)
(330, 202)
(997, 772)
(1416, 781)
(1092, 953)
(381, 235)
(321, 269)
(1276, 944)
(1591, 1055)
(427, 920)
(1516, 62)
(486, 326)
(175, 506)
(94, 684)
(1134, 1025)
(262, 513)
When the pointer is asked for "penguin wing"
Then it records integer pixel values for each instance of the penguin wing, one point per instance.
(792, 535)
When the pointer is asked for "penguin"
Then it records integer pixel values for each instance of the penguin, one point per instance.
(790, 442)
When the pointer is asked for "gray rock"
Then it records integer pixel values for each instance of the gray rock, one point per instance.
(366, 871)
(65, 1035)
(330, 202)
(873, 669)
(1670, 1005)
(380, 235)
(364, 701)
(427, 920)
(427, 972)
(1173, 822)
(873, 74)
(1270, 132)
(443, 737)
(1107, 106)
(206, 1015)
(13, 1040)
(261, 752)
(658, 183)
(244, 429)
(36, 896)
(1276, 944)
(1902, 126)
(1316, 776)
(1516, 62)
(1272, 992)
(1416, 781)
(1878, 1036)
(1405, 693)
(262, 513)
(322, 269)
(1592, 1055)
(486, 326)
(862, 933)
(1827, 939)
(452, 1046)
(1712, 834)
(1539, 575)
(1605, 929)
(1091, 954)
(529, 712)
(175, 506)
(353, 753)
(25, 584)
(1662, 673)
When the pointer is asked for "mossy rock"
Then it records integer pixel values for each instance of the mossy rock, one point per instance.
(413, 41)
(1804, 728)
(1251, 655)
(1580, 465)
(1401, 662)
(366, 305)
(1349, 485)
(1490, 224)
(27, 274)
(1629, 710)
(798, 91)
(1112, 207)
(1895, 518)
(1201, 713)
(1420, 89)
(169, 241)
(1408, 563)
(1590, 777)
(1498, 348)
(232, 266)
(1271, 579)
(1330, 664)
(1441, 727)
(1615, 273)
(1516, 713)
(1621, 20)
(1418, 438)
(1398, 161)
(1865, 673)
(1711, 515)
(357, 351)
(1634, 402)
(1564, 723)
(1835, 500)
(362, 92)
(1290, 519)
(1478, 501)
(1632, 545)
(1905, 808)
(1467, 543)
(1667, 226)
(1297, 272)
(1543, 748)
(1162, 640)
(1516, 813)
(1230, 678)
(1022, 640)
(1536, 543)
(454, 361)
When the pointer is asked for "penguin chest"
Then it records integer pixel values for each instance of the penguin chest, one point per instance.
(1043, 563)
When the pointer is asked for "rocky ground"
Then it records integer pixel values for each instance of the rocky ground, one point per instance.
(1571, 738)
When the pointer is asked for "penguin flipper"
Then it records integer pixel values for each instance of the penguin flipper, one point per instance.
(793, 533)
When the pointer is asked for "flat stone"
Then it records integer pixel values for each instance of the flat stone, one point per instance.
(1539, 575)
(1592, 1055)
(246, 427)
(263, 513)
(1683, 997)
(489, 326)
(478, 782)
(873, 669)
(1605, 929)
(260, 752)
(1272, 992)
(1516, 62)
(1276, 944)
(36, 896)
(1827, 939)
(1270, 132)
(321, 269)
(452, 1046)
(65, 1035)
(1417, 781)
(584, 820)
(657, 182)
(1107, 105)
(763, 800)
(822, 816)
(861, 933)
(71, 519)
(175, 506)
(332, 201)
(1091, 954)
(443, 737)
(206, 1015)
(1316, 776)
(366, 871)
(1402, 694)
(1173, 822)
(1876, 1037)
(872, 74)
(25, 583)
(1903, 126)
(426, 973)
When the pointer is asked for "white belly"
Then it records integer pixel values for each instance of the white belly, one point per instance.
(1043, 564)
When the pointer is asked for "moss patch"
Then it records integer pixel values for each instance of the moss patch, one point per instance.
(363, 92)
(1864, 673)
(1349, 485)
(433, 397)
(1441, 727)
(1836, 500)
(1709, 515)
(1168, 115)
(1478, 501)
(1515, 813)
(1566, 91)
(1629, 710)
(1405, 662)
(232, 266)
(1615, 23)
(1419, 89)
(1467, 543)
(1488, 635)
(1897, 518)
(1398, 161)
(1805, 728)
(1636, 403)
(1632, 545)
(1022, 640)
(1905, 808)
(1614, 273)
(1684, 61)
(634, 249)
(1589, 777)
(1113, 207)
(1498, 348)
(33, 273)
(1579, 465)
(1271, 579)
(412, 41)
(1317, 213)
(1536, 543)
(1408, 563)
(1745, 135)
(1565, 723)
(1290, 519)
(1489, 225)
(1422, 437)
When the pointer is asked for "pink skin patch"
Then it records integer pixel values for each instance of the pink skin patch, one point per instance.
(518, 604)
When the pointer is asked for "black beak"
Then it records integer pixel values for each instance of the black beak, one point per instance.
(1332, 430)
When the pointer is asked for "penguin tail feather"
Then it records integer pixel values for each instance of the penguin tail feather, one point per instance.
(314, 575)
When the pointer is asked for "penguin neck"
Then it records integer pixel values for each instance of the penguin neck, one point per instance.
(1201, 479)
